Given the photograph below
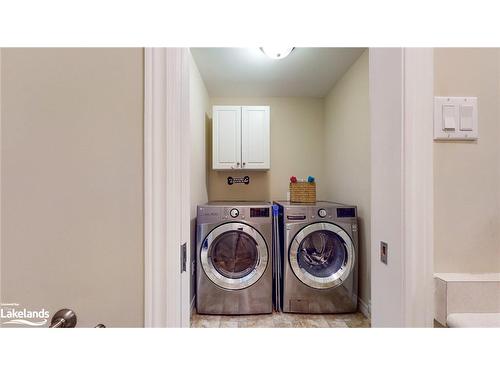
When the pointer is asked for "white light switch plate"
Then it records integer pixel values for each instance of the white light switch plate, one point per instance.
(455, 118)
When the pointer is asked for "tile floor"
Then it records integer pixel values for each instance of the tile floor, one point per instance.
(280, 320)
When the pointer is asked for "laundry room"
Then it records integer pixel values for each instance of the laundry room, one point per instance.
(274, 126)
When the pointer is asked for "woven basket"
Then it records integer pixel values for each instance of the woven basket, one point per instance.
(303, 192)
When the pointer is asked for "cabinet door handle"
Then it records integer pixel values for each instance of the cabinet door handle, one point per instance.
(244, 163)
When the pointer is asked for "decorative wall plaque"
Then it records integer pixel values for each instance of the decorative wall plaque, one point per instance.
(238, 180)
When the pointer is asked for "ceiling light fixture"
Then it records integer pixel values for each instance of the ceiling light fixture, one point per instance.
(276, 53)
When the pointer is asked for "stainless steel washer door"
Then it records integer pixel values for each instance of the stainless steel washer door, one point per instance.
(322, 255)
(234, 256)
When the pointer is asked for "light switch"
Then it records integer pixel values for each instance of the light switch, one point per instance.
(466, 117)
(449, 117)
(455, 118)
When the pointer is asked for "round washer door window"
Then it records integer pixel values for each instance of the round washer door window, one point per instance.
(234, 256)
(322, 255)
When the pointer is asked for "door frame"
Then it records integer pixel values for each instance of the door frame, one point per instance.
(0, 175)
(418, 187)
(166, 303)
(166, 134)
(166, 187)
(401, 102)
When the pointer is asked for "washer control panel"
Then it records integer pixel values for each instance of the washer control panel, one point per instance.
(322, 211)
(234, 213)
(215, 213)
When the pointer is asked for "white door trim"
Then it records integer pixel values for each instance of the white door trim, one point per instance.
(401, 96)
(166, 103)
(0, 175)
(418, 187)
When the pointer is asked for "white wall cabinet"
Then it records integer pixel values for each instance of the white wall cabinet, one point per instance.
(226, 137)
(241, 137)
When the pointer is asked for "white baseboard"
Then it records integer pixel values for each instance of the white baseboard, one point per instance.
(364, 307)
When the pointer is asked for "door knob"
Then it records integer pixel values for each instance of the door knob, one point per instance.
(64, 318)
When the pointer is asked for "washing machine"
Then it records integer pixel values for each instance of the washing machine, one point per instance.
(234, 260)
(318, 257)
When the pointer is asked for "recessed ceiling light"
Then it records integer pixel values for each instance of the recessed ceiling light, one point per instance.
(276, 53)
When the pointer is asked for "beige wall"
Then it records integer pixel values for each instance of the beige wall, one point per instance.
(296, 149)
(72, 182)
(347, 155)
(199, 103)
(467, 174)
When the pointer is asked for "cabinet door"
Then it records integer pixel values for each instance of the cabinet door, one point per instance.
(255, 137)
(226, 137)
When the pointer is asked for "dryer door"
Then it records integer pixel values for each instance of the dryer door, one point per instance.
(234, 255)
(322, 255)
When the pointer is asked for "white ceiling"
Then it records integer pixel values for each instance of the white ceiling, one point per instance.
(309, 72)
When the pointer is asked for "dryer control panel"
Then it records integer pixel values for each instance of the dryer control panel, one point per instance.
(213, 213)
(307, 213)
(321, 211)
